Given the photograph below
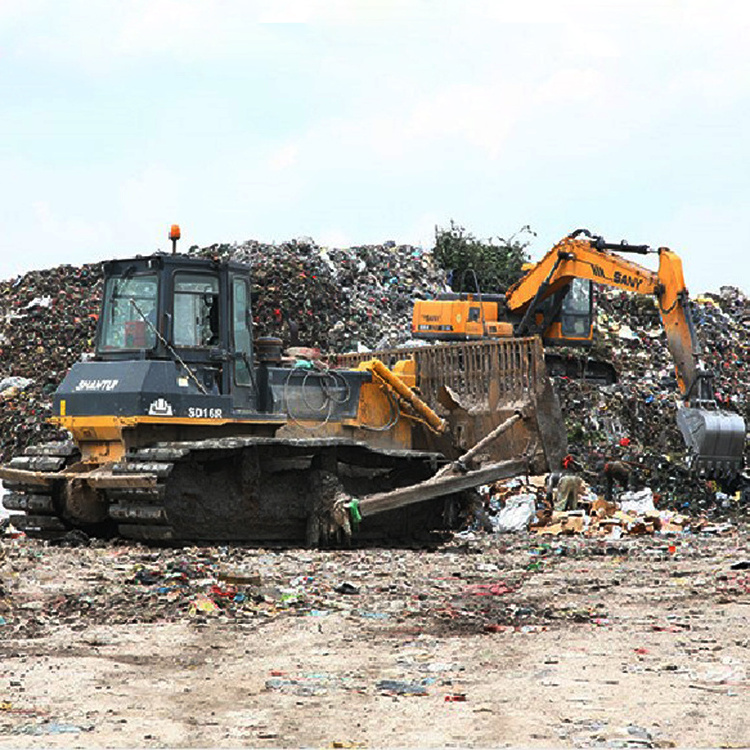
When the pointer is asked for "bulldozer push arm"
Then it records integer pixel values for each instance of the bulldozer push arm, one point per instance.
(715, 437)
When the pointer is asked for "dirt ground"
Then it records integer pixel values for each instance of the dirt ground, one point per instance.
(482, 641)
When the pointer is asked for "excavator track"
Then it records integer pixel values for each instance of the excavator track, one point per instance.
(36, 507)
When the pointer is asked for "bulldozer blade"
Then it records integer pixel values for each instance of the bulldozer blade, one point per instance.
(715, 438)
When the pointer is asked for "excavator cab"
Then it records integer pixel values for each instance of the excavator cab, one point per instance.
(567, 318)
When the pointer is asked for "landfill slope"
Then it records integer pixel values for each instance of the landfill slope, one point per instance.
(349, 299)
(635, 419)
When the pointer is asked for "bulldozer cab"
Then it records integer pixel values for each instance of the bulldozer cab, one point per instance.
(178, 307)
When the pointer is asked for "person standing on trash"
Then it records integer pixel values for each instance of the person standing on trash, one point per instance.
(616, 471)
(566, 487)
(569, 490)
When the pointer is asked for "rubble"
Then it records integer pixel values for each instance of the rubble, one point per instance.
(47, 321)
(341, 299)
(523, 506)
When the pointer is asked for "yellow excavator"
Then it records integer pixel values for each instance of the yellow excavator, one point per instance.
(553, 300)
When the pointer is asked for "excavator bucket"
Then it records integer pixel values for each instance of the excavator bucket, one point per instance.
(715, 438)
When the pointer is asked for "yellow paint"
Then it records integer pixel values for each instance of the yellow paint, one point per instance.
(406, 369)
(399, 387)
(459, 318)
(100, 437)
(101, 451)
(62, 407)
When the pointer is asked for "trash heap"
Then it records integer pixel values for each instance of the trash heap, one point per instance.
(47, 320)
(635, 419)
(514, 506)
(634, 514)
(340, 299)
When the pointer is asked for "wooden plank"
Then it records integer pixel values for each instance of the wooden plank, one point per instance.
(436, 487)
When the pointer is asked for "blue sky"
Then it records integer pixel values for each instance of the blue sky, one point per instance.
(358, 122)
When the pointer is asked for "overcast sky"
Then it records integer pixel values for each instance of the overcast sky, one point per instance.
(362, 121)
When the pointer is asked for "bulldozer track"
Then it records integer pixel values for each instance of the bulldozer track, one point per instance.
(35, 507)
(142, 504)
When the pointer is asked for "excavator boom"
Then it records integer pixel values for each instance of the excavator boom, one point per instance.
(553, 301)
(715, 437)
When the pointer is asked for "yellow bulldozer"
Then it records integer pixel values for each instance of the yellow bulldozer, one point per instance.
(186, 426)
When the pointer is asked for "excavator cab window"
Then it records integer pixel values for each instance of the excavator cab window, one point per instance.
(129, 312)
(576, 312)
(196, 310)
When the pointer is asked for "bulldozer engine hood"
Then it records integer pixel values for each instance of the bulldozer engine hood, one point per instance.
(163, 389)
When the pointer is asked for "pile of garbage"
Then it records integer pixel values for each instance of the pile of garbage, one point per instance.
(336, 299)
(574, 508)
(47, 320)
(635, 419)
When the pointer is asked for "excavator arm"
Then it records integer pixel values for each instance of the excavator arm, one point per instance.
(715, 437)
(592, 259)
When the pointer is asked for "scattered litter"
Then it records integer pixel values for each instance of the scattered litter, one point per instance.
(394, 687)
(346, 588)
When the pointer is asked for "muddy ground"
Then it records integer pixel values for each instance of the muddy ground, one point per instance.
(481, 641)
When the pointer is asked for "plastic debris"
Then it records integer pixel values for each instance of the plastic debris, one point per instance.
(517, 514)
(395, 687)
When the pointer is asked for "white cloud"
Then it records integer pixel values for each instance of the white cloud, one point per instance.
(333, 237)
(73, 239)
(284, 157)
(150, 198)
(337, 11)
(717, 86)
(69, 230)
(713, 240)
(571, 86)
(482, 115)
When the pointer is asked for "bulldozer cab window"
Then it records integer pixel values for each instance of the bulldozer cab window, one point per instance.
(243, 342)
(576, 309)
(129, 312)
(196, 310)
